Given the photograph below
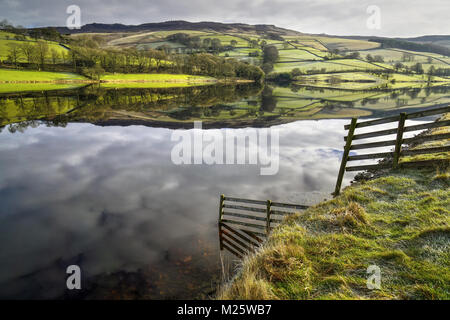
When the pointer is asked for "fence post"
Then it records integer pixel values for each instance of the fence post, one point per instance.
(222, 199)
(268, 209)
(348, 144)
(399, 140)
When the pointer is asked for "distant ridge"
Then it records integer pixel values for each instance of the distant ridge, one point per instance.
(179, 25)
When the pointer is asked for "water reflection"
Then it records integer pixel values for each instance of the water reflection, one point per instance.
(217, 106)
(110, 200)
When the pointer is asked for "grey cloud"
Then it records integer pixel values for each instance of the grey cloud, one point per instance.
(399, 18)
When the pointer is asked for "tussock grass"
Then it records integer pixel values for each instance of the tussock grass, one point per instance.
(400, 222)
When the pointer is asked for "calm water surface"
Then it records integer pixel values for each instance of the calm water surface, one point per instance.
(110, 200)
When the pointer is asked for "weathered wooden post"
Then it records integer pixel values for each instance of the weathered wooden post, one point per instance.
(399, 140)
(348, 144)
(222, 199)
(268, 211)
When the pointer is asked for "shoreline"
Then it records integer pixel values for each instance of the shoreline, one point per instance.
(323, 252)
(126, 81)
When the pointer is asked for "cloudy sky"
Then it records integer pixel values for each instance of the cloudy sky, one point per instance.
(341, 17)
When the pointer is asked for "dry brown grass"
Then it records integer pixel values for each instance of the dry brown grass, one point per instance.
(349, 216)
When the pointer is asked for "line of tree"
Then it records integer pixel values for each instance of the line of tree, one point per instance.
(47, 33)
(85, 56)
(212, 65)
(375, 58)
(94, 63)
(201, 45)
(35, 54)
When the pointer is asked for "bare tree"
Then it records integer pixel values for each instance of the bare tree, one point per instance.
(29, 51)
(14, 53)
(42, 50)
(55, 55)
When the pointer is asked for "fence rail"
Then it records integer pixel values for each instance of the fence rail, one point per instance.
(243, 223)
(397, 153)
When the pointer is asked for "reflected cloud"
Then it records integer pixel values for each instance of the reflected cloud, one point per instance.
(112, 196)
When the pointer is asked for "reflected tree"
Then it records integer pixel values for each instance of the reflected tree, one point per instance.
(268, 101)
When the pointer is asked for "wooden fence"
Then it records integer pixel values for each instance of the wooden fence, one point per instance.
(243, 223)
(397, 153)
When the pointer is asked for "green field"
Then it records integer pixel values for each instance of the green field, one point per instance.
(10, 75)
(339, 65)
(25, 87)
(409, 58)
(346, 44)
(156, 44)
(296, 54)
(20, 80)
(150, 85)
(155, 77)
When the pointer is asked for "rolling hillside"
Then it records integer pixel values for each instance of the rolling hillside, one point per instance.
(307, 53)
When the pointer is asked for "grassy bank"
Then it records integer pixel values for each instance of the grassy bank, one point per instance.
(154, 77)
(399, 222)
(26, 87)
(21, 80)
(22, 76)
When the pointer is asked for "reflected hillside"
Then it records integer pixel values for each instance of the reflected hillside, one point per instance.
(100, 105)
(128, 106)
(306, 102)
(216, 105)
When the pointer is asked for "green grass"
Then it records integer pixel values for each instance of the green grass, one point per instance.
(149, 85)
(25, 87)
(155, 77)
(296, 54)
(19, 80)
(143, 37)
(311, 43)
(10, 75)
(164, 34)
(339, 65)
(347, 44)
(399, 222)
(156, 44)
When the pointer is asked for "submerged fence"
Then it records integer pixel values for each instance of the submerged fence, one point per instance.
(397, 153)
(244, 223)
